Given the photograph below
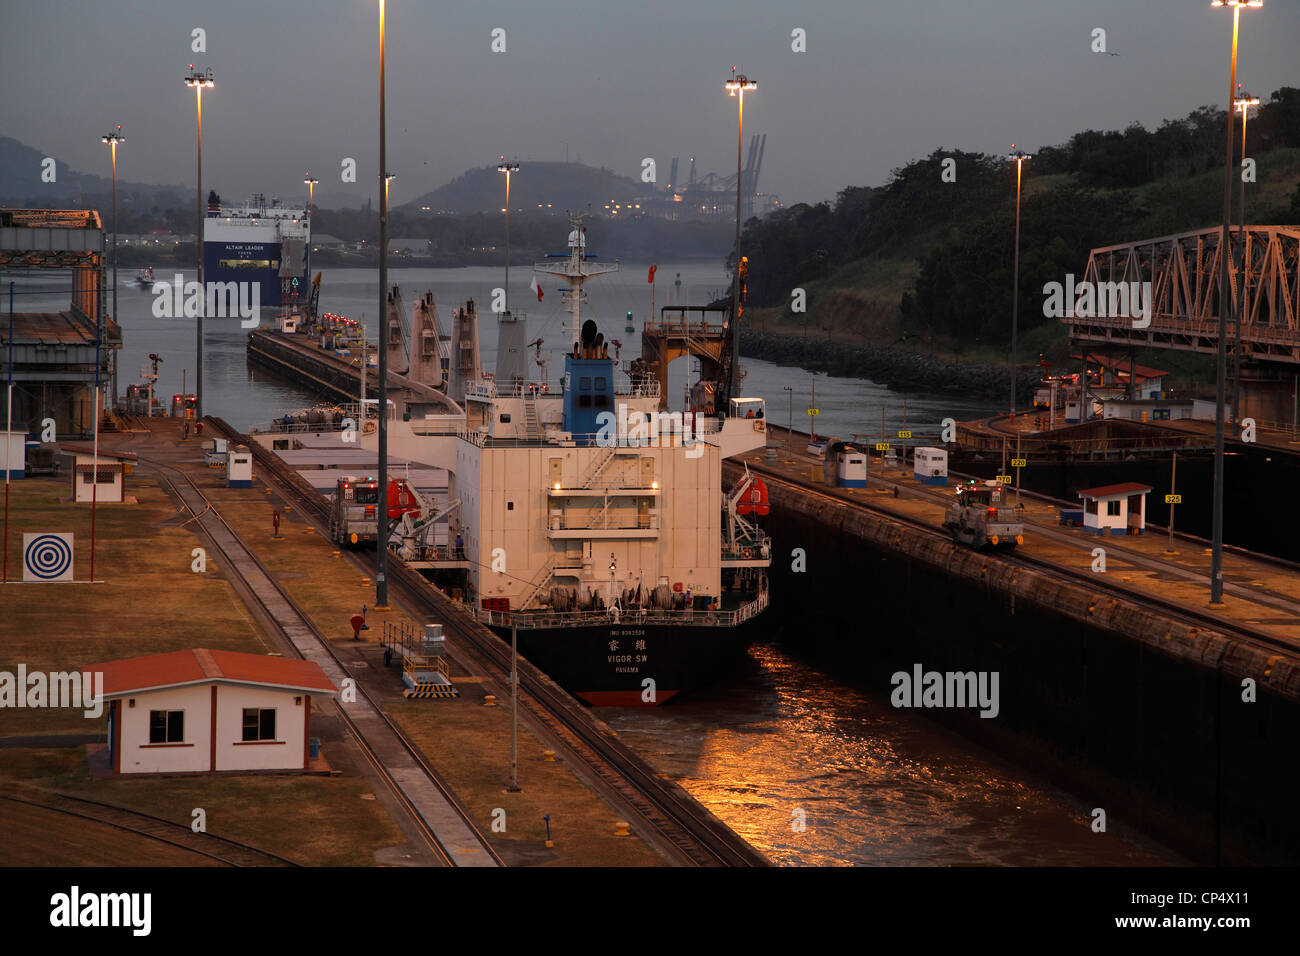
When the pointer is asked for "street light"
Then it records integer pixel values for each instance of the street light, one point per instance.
(381, 555)
(199, 80)
(1018, 156)
(1243, 103)
(311, 192)
(113, 139)
(507, 168)
(311, 195)
(1225, 250)
(736, 86)
(789, 431)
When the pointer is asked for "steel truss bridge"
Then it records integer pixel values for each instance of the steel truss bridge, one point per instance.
(1183, 270)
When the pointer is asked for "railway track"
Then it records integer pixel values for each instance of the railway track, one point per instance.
(218, 848)
(692, 832)
(364, 718)
(1097, 582)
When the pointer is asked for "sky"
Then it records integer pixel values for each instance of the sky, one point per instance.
(611, 83)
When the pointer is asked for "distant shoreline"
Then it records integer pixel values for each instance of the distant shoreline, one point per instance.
(896, 368)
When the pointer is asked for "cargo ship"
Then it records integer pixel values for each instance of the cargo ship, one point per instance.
(260, 241)
(577, 513)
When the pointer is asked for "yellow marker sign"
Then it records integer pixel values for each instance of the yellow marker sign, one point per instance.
(882, 446)
(1019, 462)
(813, 411)
(1005, 479)
(1173, 499)
(904, 434)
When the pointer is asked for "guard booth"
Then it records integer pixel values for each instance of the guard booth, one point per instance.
(13, 453)
(1115, 509)
(850, 467)
(239, 467)
(930, 466)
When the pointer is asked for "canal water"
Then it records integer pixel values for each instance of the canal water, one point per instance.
(809, 769)
(815, 772)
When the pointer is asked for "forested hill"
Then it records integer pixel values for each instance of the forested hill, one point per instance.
(924, 259)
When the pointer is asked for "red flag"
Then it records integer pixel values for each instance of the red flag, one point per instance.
(536, 288)
(651, 277)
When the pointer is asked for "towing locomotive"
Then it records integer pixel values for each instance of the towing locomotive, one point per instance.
(354, 514)
(978, 517)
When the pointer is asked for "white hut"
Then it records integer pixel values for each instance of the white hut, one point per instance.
(1115, 509)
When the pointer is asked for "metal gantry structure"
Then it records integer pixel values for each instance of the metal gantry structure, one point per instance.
(1185, 274)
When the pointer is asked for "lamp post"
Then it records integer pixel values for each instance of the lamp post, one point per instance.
(113, 139)
(198, 80)
(507, 168)
(311, 195)
(381, 555)
(736, 86)
(1018, 156)
(1243, 102)
(1225, 251)
(789, 431)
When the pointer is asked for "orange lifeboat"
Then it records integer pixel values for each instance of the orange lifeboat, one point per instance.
(754, 500)
(400, 499)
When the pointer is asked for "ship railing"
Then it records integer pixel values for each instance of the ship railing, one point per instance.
(486, 388)
(279, 427)
(749, 550)
(601, 520)
(631, 617)
(683, 328)
(648, 388)
(475, 436)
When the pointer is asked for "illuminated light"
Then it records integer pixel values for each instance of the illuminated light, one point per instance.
(654, 485)
(557, 486)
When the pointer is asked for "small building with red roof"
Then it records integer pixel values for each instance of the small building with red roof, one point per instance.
(199, 711)
(1115, 509)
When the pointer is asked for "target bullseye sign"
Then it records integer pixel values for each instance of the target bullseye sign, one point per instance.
(47, 556)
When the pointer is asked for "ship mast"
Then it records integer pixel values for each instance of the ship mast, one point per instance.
(576, 270)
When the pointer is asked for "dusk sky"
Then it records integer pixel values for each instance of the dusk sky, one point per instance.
(879, 85)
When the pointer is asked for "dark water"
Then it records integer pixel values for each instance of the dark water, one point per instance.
(875, 785)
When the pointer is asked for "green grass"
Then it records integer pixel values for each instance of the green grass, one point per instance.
(149, 601)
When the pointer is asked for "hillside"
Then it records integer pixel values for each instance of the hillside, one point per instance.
(925, 264)
(559, 185)
(21, 183)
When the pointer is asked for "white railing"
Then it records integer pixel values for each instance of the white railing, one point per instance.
(600, 521)
(540, 619)
(486, 388)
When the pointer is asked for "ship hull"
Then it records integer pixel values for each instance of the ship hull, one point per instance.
(629, 664)
(248, 261)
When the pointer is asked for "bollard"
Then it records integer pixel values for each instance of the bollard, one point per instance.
(490, 700)
(621, 828)
(336, 553)
(548, 756)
